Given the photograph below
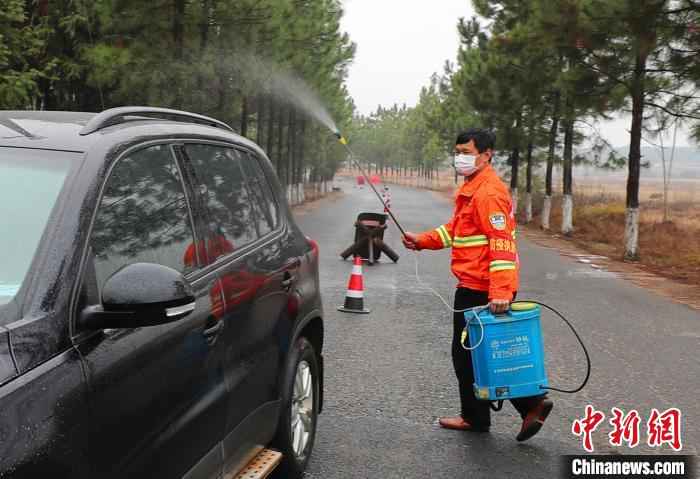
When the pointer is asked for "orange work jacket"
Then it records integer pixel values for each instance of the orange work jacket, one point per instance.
(481, 234)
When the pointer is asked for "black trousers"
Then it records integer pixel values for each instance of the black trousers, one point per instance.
(475, 411)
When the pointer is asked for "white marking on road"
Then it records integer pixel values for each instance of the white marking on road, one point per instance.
(591, 273)
(688, 334)
(590, 256)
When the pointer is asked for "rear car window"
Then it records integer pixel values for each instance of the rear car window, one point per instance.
(30, 182)
(263, 200)
(221, 186)
(143, 216)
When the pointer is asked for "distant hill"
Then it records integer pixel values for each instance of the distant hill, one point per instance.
(686, 162)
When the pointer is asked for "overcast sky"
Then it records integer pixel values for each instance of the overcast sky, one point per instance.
(401, 43)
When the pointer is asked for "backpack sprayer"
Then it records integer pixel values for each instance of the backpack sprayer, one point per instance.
(508, 358)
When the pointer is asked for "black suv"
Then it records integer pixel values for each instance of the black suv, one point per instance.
(160, 314)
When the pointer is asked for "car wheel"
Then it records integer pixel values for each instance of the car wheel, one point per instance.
(297, 426)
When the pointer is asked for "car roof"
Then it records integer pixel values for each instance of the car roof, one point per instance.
(53, 130)
(66, 130)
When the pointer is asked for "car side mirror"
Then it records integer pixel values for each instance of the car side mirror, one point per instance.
(140, 294)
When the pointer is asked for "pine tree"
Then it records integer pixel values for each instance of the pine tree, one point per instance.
(649, 50)
(21, 44)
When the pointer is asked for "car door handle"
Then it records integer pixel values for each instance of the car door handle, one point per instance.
(288, 280)
(212, 331)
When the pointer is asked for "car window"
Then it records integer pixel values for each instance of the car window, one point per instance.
(263, 202)
(220, 182)
(30, 182)
(143, 216)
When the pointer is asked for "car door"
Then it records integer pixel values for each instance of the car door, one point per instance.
(43, 392)
(246, 249)
(157, 394)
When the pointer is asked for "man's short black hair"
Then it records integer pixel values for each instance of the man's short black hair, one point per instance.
(483, 139)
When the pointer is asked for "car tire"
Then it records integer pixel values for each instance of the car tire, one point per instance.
(296, 430)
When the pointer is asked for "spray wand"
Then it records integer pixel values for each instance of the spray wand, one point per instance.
(344, 142)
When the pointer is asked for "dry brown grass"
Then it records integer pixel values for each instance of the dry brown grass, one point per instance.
(671, 248)
(682, 190)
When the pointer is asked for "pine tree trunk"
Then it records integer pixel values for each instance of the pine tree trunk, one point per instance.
(567, 218)
(515, 163)
(259, 120)
(668, 174)
(222, 99)
(632, 211)
(547, 208)
(290, 156)
(204, 26)
(528, 187)
(178, 43)
(632, 234)
(546, 212)
(567, 226)
(244, 116)
(280, 147)
(178, 27)
(302, 159)
(203, 38)
(270, 124)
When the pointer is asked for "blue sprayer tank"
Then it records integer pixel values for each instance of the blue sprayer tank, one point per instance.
(509, 361)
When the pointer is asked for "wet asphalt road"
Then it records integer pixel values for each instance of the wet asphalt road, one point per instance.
(389, 374)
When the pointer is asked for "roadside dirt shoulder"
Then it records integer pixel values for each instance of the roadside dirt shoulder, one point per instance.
(688, 294)
(312, 205)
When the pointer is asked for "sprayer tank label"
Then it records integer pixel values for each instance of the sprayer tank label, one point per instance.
(508, 348)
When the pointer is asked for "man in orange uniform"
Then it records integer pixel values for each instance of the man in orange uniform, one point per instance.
(481, 234)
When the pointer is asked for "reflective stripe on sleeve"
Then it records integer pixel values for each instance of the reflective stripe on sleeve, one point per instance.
(444, 236)
(500, 265)
(469, 241)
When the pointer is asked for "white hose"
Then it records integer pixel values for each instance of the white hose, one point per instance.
(475, 310)
(447, 305)
(466, 326)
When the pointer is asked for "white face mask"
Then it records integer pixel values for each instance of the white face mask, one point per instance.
(465, 164)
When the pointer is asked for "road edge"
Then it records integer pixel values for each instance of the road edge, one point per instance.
(638, 274)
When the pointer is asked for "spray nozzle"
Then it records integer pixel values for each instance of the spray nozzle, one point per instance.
(341, 138)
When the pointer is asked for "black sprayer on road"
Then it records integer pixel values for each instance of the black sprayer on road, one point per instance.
(344, 142)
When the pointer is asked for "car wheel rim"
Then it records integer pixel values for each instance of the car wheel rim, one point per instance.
(302, 420)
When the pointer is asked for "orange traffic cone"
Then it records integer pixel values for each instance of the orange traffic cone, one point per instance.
(354, 299)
